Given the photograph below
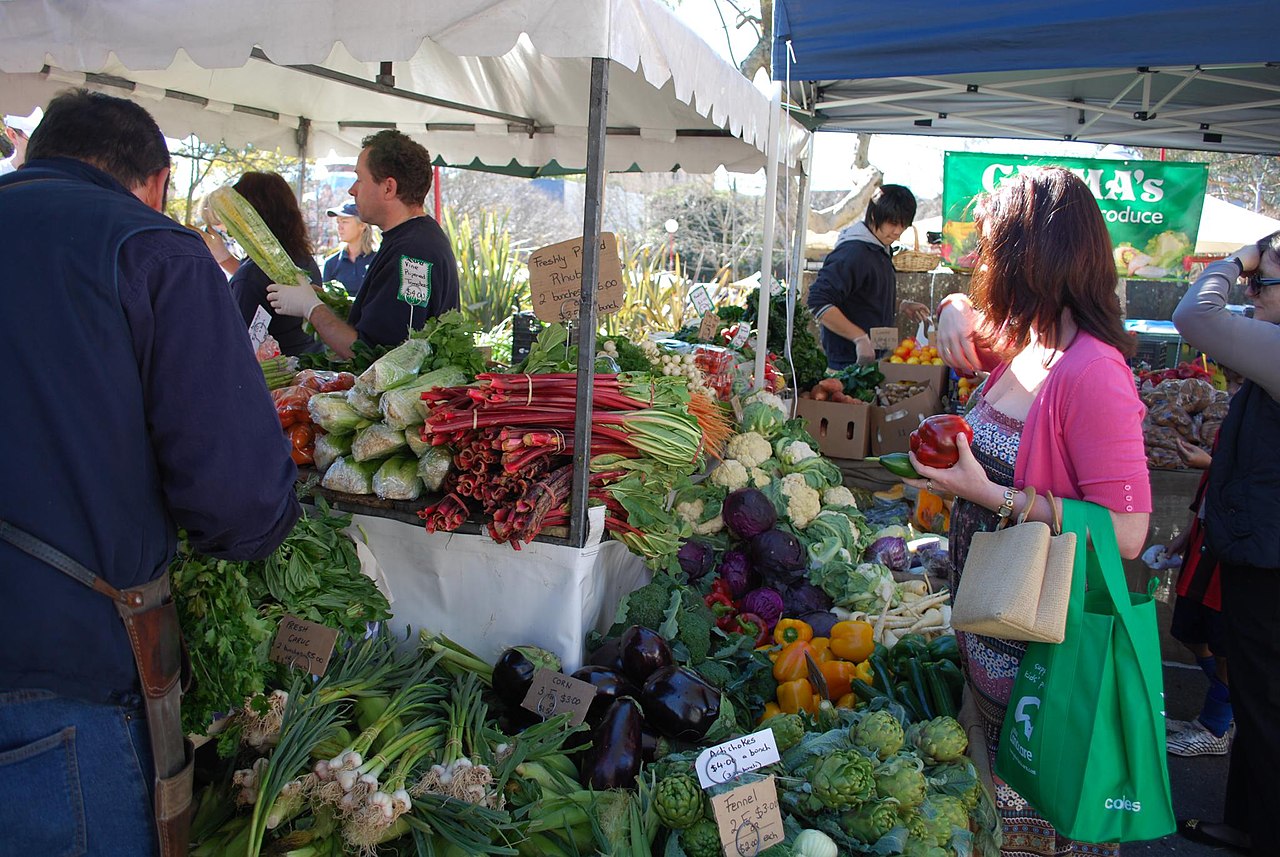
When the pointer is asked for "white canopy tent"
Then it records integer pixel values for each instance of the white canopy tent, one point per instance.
(473, 80)
(526, 84)
(1224, 227)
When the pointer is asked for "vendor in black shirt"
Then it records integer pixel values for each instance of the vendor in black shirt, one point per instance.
(273, 199)
(413, 277)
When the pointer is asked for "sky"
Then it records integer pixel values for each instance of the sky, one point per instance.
(908, 160)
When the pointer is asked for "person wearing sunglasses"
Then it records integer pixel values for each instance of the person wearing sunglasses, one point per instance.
(1242, 527)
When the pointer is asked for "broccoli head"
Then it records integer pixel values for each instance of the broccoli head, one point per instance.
(647, 606)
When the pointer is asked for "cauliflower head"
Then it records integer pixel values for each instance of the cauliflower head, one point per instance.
(803, 503)
(837, 496)
(730, 474)
(709, 527)
(759, 477)
(750, 448)
(691, 511)
(771, 399)
(795, 452)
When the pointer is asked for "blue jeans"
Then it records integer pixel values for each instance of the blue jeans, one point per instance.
(75, 777)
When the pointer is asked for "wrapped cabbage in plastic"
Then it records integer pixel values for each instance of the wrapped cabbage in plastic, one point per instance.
(329, 447)
(376, 441)
(397, 479)
(364, 400)
(413, 436)
(350, 477)
(433, 466)
(333, 413)
(402, 407)
(397, 367)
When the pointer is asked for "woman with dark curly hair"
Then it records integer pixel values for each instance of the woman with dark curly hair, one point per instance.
(273, 199)
(1059, 413)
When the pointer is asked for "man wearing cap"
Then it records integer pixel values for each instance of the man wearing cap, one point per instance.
(349, 265)
(413, 276)
(18, 129)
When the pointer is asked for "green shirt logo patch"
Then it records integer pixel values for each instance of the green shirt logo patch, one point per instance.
(415, 281)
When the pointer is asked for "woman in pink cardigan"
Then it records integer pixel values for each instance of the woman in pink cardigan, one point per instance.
(1059, 412)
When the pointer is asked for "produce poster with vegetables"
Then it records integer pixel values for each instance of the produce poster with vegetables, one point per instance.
(1152, 208)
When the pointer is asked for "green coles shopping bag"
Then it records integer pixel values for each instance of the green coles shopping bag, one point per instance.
(1083, 740)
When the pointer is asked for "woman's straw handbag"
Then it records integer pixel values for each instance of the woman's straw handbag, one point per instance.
(1016, 583)
(916, 260)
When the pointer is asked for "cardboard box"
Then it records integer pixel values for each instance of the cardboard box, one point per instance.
(891, 427)
(842, 429)
(934, 376)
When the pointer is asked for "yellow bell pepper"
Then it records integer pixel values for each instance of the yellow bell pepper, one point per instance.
(791, 663)
(849, 700)
(788, 631)
(839, 676)
(770, 709)
(853, 640)
(865, 673)
(796, 696)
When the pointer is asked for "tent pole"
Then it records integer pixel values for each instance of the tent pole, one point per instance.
(770, 220)
(797, 244)
(303, 136)
(592, 216)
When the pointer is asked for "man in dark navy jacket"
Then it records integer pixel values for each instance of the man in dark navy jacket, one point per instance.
(413, 277)
(133, 406)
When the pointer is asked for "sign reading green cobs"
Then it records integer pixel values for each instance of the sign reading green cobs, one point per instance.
(1152, 208)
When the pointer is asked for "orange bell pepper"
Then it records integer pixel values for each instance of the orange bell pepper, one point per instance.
(839, 676)
(849, 700)
(821, 649)
(853, 640)
(796, 696)
(770, 709)
(791, 663)
(788, 631)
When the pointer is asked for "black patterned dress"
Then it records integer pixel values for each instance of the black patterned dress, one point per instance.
(990, 663)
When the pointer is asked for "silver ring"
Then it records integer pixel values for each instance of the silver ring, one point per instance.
(928, 485)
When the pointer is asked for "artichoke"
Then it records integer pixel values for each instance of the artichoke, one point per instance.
(678, 801)
(902, 778)
(920, 830)
(788, 729)
(843, 779)
(880, 732)
(941, 739)
(869, 822)
(959, 779)
(701, 840)
(918, 848)
(951, 811)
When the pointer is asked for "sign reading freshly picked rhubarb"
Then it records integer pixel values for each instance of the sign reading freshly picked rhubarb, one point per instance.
(555, 279)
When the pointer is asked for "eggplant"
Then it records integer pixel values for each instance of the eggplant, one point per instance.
(613, 762)
(609, 685)
(513, 673)
(608, 655)
(679, 704)
(643, 651)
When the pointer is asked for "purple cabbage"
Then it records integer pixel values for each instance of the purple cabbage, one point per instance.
(747, 513)
(821, 621)
(765, 603)
(696, 558)
(735, 570)
(805, 598)
(778, 556)
(891, 552)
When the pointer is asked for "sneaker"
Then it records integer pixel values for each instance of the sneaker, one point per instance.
(1173, 726)
(1196, 740)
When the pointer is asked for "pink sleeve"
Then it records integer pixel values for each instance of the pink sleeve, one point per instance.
(1102, 433)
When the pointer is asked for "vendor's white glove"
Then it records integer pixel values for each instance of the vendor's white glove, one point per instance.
(298, 301)
(866, 351)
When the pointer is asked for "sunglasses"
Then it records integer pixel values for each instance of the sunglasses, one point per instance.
(1255, 284)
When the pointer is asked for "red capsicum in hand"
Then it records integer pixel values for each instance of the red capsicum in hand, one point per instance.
(934, 442)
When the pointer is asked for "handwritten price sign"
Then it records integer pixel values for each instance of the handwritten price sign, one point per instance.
(724, 762)
(748, 818)
(555, 693)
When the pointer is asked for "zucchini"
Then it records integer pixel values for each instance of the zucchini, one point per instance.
(866, 692)
(939, 693)
(916, 681)
(880, 672)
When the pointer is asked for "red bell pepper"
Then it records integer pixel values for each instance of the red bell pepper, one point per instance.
(934, 442)
(752, 626)
(723, 609)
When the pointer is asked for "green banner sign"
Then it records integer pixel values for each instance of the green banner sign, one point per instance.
(1152, 208)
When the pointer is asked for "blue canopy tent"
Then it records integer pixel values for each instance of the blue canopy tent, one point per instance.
(1191, 74)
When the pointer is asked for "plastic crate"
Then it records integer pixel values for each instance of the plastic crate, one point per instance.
(525, 328)
(1158, 352)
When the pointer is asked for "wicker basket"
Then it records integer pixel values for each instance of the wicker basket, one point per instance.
(916, 260)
